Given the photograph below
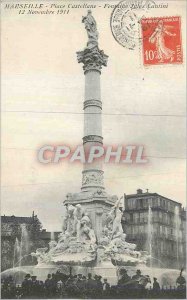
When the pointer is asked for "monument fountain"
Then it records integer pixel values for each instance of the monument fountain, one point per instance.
(92, 239)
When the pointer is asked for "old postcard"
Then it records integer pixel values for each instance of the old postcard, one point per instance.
(93, 149)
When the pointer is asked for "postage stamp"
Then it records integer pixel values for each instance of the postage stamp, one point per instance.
(161, 40)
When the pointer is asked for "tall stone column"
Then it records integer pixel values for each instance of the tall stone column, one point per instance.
(93, 59)
(93, 197)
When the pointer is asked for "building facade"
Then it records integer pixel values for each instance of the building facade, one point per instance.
(158, 225)
(19, 237)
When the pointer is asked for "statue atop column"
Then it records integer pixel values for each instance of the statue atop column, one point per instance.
(91, 57)
(91, 28)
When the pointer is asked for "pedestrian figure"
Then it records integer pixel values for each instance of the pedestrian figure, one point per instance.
(53, 285)
(156, 286)
(137, 276)
(48, 286)
(181, 281)
(34, 287)
(71, 286)
(60, 288)
(123, 287)
(26, 286)
(106, 288)
(124, 278)
(90, 286)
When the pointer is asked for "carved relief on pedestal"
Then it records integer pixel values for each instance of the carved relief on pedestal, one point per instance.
(100, 193)
(92, 177)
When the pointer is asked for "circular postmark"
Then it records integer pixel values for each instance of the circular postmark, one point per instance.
(125, 21)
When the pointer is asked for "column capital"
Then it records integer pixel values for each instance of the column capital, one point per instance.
(92, 58)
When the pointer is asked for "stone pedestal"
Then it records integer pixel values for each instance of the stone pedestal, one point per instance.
(96, 203)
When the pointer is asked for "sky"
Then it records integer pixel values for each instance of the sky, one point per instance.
(42, 91)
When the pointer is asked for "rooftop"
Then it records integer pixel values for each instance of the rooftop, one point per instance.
(19, 220)
(141, 194)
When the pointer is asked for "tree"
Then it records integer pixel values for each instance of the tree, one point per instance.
(34, 234)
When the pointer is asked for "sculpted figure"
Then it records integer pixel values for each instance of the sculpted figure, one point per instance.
(110, 218)
(52, 245)
(41, 255)
(78, 213)
(69, 196)
(113, 221)
(117, 229)
(91, 27)
(63, 241)
(105, 239)
(86, 219)
(92, 236)
(88, 235)
(70, 219)
(65, 220)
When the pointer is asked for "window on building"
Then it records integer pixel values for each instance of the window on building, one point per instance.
(155, 228)
(141, 229)
(134, 203)
(136, 217)
(131, 230)
(150, 202)
(165, 230)
(135, 230)
(162, 246)
(165, 218)
(145, 203)
(131, 217)
(154, 202)
(141, 203)
(145, 217)
(154, 213)
(164, 203)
